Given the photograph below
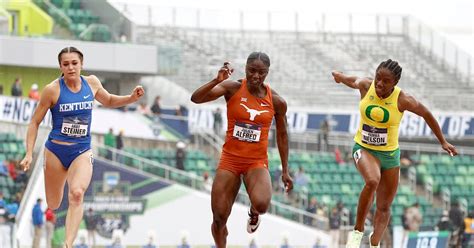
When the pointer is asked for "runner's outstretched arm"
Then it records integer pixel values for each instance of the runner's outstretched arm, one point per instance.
(111, 100)
(409, 103)
(282, 138)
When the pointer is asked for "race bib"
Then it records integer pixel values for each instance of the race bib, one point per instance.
(374, 136)
(247, 132)
(75, 126)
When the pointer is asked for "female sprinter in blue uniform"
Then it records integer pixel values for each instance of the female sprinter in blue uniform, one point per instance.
(68, 155)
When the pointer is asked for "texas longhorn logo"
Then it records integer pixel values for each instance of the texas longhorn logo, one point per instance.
(253, 112)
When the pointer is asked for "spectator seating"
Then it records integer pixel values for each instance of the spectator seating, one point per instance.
(329, 181)
(72, 16)
(11, 148)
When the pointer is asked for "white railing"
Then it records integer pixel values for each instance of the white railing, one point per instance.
(215, 141)
(170, 173)
(23, 218)
(292, 21)
(437, 47)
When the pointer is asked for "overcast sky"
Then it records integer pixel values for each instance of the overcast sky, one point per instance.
(454, 18)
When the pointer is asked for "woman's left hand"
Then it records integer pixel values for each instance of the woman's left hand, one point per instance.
(450, 149)
(287, 181)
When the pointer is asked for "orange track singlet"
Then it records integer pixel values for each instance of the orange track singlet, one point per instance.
(249, 119)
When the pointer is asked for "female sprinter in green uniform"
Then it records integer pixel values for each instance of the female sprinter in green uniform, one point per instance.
(376, 153)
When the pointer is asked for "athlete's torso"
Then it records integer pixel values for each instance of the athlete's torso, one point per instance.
(379, 121)
(249, 119)
(72, 114)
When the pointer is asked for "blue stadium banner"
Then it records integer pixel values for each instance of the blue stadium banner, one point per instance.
(453, 124)
(428, 240)
(459, 125)
(19, 110)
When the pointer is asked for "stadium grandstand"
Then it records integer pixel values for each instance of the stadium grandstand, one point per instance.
(144, 193)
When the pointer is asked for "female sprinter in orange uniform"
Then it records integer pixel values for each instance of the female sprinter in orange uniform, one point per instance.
(251, 107)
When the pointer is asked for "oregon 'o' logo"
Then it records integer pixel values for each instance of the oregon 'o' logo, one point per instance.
(377, 113)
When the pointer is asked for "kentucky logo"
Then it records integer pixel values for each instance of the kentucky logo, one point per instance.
(253, 112)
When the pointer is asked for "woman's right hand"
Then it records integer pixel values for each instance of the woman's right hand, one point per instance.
(338, 76)
(26, 162)
(225, 72)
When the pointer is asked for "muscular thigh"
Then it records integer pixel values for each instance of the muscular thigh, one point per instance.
(54, 178)
(225, 187)
(367, 164)
(80, 171)
(258, 183)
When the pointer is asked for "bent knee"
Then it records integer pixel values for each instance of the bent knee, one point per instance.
(220, 220)
(372, 183)
(261, 206)
(76, 195)
(53, 204)
(384, 208)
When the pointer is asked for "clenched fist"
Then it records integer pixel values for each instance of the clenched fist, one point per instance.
(137, 93)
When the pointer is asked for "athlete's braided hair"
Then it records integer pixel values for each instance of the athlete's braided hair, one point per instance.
(393, 67)
(260, 56)
(70, 50)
